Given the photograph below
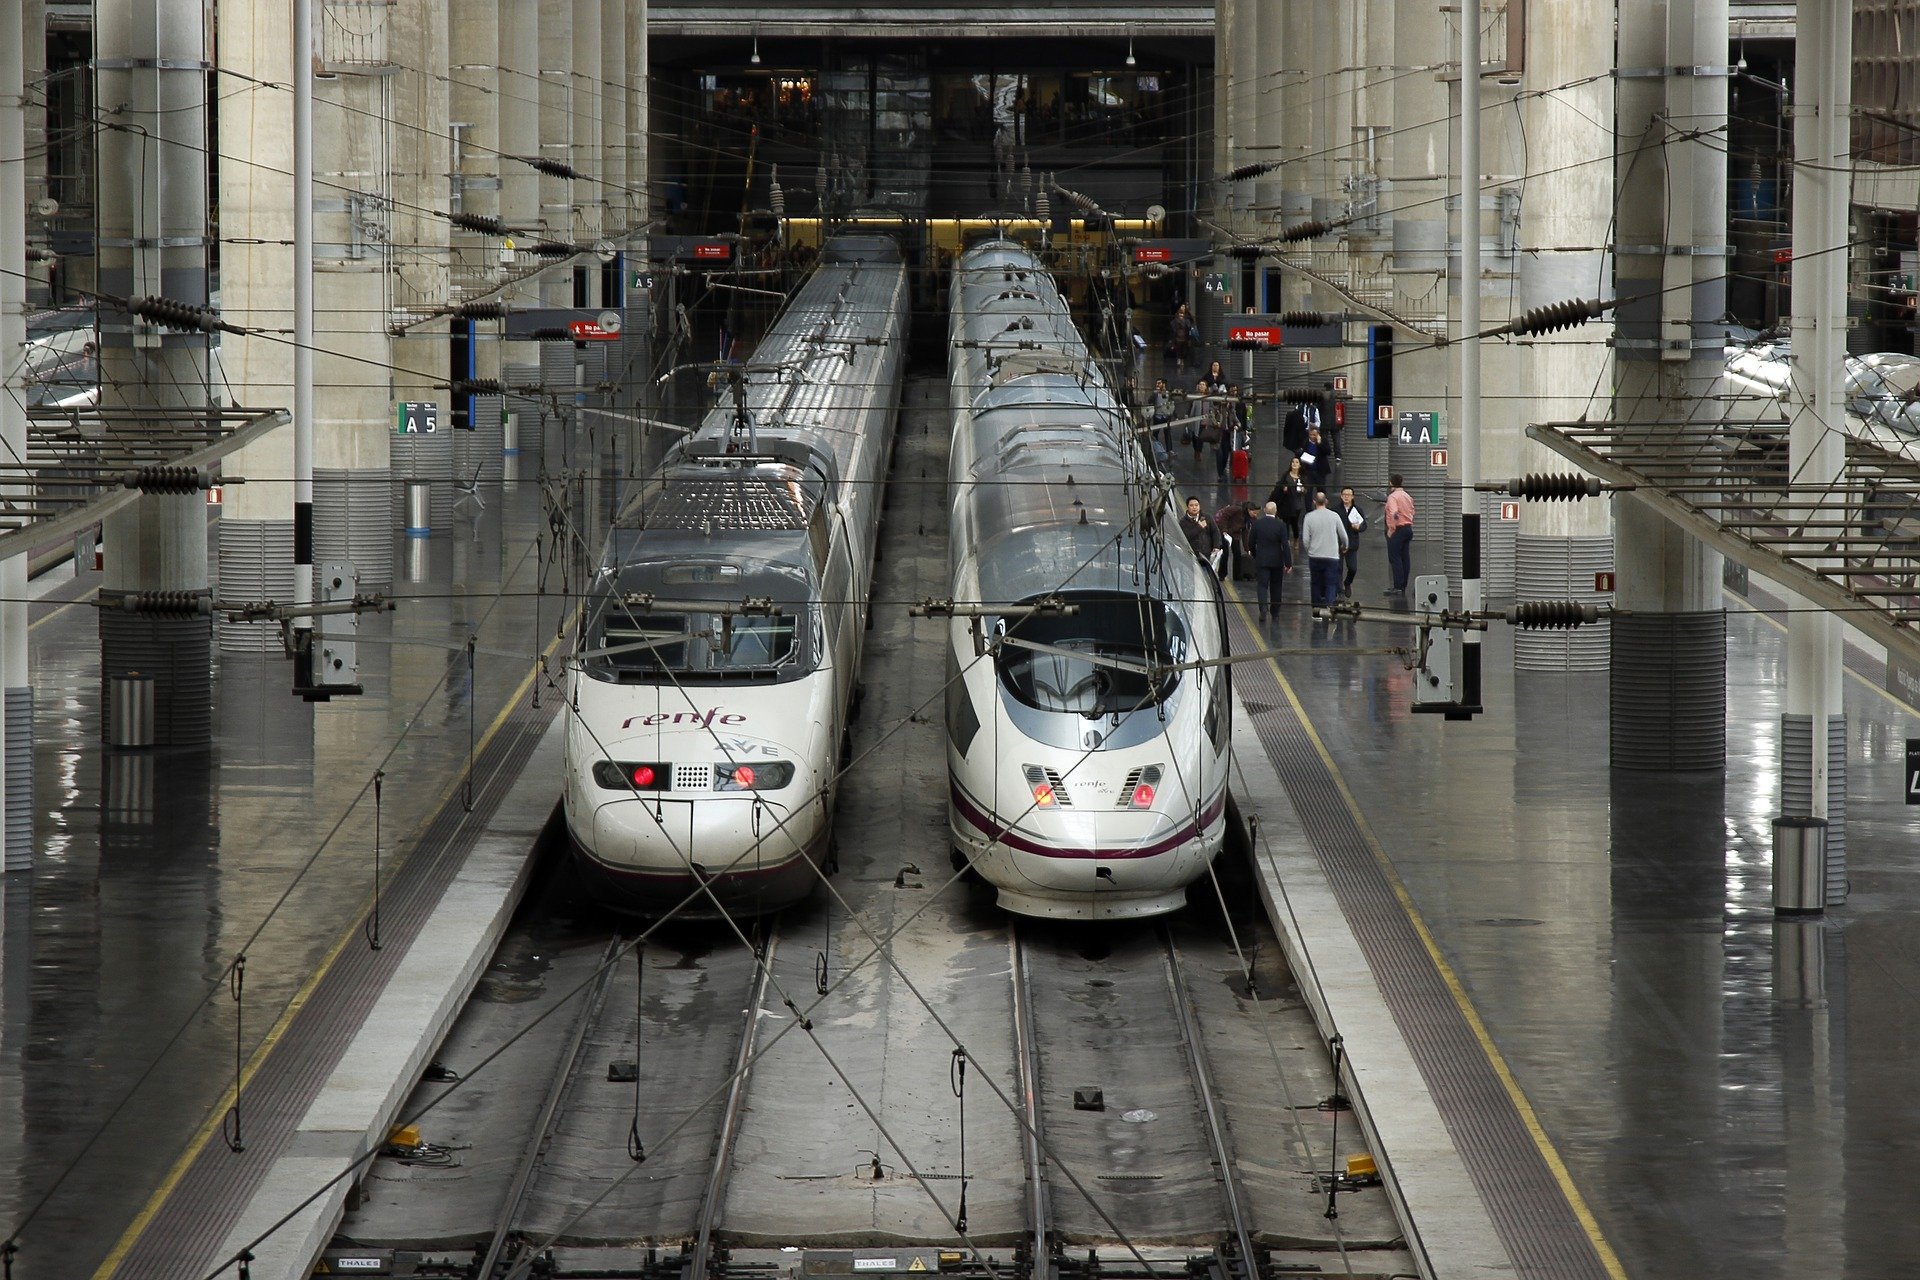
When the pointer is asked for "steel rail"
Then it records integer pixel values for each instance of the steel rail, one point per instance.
(713, 1200)
(1210, 1107)
(1027, 1060)
(549, 1113)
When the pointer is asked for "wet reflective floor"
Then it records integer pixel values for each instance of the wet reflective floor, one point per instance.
(1732, 1093)
(155, 869)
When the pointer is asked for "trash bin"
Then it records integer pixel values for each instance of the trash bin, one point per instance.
(419, 509)
(1799, 864)
(130, 711)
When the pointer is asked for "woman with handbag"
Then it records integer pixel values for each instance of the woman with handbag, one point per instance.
(1290, 496)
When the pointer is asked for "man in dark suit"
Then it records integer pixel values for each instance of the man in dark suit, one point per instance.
(1303, 418)
(1271, 542)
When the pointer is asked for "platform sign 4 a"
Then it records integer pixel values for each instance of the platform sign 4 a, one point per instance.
(1419, 426)
(1913, 770)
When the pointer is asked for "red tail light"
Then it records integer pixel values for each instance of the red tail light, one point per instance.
(743, 775)
(1143, 796)
(643, 775)
(1043, 795)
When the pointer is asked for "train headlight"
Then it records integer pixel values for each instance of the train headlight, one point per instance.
(1141, 786)
(630, 775)
(768, 775)
(1043, 795)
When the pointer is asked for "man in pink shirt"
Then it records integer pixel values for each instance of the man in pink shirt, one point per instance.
(1399, 536)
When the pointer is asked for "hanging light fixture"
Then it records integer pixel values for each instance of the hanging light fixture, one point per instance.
(755, 59)
(1129, 46)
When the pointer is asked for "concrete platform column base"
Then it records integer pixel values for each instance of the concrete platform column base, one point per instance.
(256, 563)
(1551, 567)
(1669, 692)
(1796, 789)
(353, 519)
(19, 766)
(178, 654)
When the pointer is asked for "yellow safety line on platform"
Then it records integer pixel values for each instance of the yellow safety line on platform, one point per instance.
(216, 1118)
(1781, 627)
(1548, 1152)
(59, 609)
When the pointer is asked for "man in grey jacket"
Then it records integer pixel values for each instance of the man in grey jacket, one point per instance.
(1323, 536)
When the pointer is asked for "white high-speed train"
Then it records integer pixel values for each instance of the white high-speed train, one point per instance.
(1087, 754)
(719, 648)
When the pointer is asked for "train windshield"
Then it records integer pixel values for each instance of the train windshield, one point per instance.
(715, 630)
(1108, 659)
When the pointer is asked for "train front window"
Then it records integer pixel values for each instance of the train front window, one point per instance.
(643, 647)
(1095, 662)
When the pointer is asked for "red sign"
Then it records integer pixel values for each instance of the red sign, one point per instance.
(1436, 457)
(721, 252)
(1152, 253)
(1253, 335)
(1509, 511)
(1339, 413)
(588, 331)
(1781, 257)
(1603, 583)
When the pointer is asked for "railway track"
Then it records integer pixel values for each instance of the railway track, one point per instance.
(1126, 1141)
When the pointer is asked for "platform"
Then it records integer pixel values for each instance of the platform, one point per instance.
(1648, 1073)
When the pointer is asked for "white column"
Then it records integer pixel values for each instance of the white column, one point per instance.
(518, 56)
(1564, 223)
(420, 268)
(589, 200)
(1817, 443)
(639, 144)
(614, 196)
(34, 69)
(13, 389)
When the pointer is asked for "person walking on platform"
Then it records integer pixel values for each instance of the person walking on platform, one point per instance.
(1199, 407)
(1304, 417)
(1289, 496)
(1201, 535)
(1271, 540)
(1314, 459)
(1233, 521)
(1159, 424)
(1182, 333)
(1356, 522)
(1324, 537)
(1399, 536)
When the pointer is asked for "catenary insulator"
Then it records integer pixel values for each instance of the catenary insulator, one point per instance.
(1563, 486)
(181, 603)
(552, 249)
(550, 333)
(481, 311)
(1552, 615)
(552, 168)
(1297, 395)
(1305, 319)
(1254, 170)
(1555, 316)
(181, 316)
(480, 224)
(1306, 231)
(479, 387)
(1246, 251)
(165, 478)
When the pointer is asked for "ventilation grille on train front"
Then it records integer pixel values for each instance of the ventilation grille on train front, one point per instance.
(693, 777)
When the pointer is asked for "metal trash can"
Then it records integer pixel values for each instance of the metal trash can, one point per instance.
(1799, 864)
(130, 710)
(419, 509)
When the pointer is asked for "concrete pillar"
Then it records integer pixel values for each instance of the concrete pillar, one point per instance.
(355, 135)
(475, 90)
(256, 220)
(615, 198)
(1224, 31)
(1668, 652)
(1567, 374)
(151, 202)
(1813, 776)
(556, 131)
(1416, 188)
(589, 198)
(638, 99)
(34, 67)
(421, 274)
(16, 737)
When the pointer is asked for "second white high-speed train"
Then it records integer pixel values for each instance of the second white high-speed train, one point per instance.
(1087, 748)
(722, 637)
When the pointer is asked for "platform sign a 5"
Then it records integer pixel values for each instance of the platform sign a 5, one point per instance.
(416, 417)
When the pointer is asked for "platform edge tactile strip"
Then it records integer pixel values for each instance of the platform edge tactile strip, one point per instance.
(178, 1242)
(1534, 1218)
